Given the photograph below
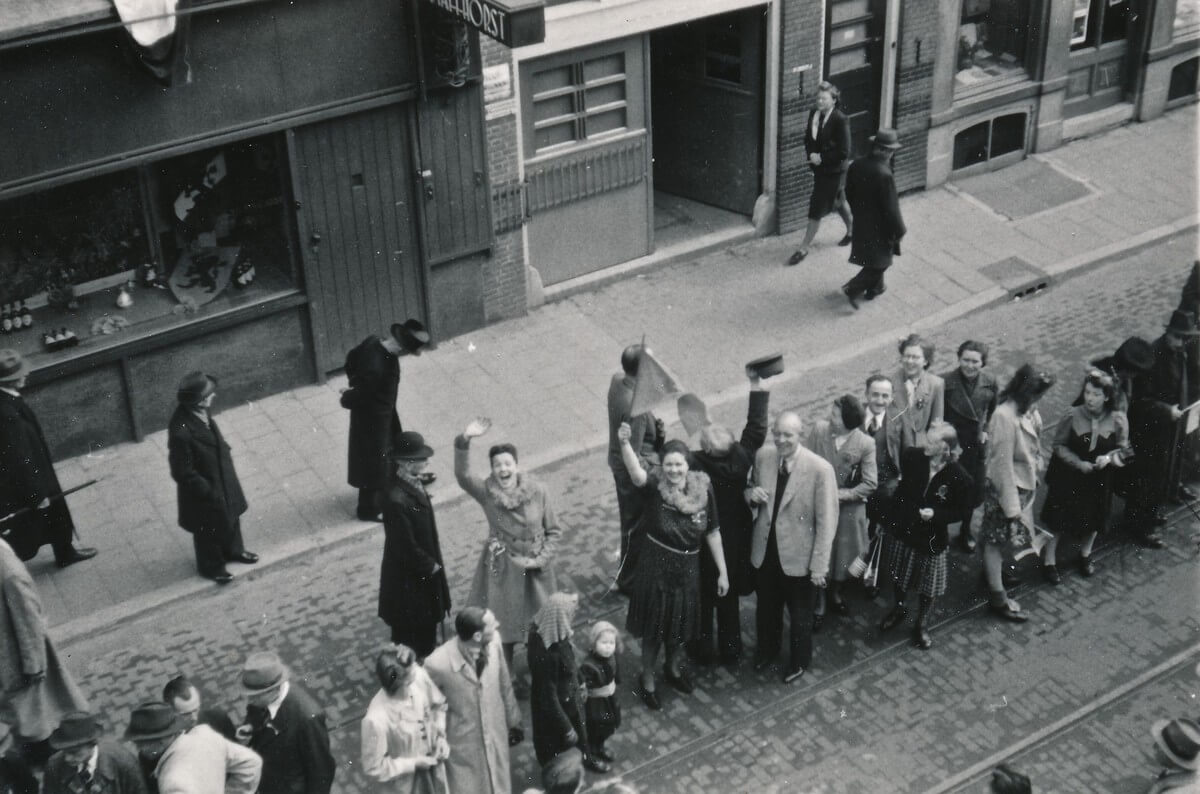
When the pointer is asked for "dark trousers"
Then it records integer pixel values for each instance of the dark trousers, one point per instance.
(370, 502)
(725, 608)
(775, 591)
(422, 639)
(868, 279)
(215, 548)
(629, 510)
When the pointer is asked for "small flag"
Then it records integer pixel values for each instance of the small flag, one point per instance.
(654, 383)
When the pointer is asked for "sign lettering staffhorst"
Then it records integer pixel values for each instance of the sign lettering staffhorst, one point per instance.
(482, 15)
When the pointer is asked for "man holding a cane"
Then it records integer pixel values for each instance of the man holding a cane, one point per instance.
(27, 478)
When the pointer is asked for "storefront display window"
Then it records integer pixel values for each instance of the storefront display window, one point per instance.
(1187, 18)
(1097, 22)
(133, 253)
(993, 37)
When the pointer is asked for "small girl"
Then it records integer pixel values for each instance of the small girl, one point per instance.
(600, 675)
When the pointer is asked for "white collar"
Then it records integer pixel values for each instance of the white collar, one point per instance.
(90, 766)
(273, 706)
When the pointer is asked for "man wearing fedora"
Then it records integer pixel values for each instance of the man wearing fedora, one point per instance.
(36, 690)
(287, 728)
(84, 762)
(27, 478)
(195, 760)
(1177, 748)
(210, 497)
(1169, 382)
(414, 596)
(878, 225)
(373, 372)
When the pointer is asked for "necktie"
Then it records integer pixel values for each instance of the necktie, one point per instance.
(85, 777)
(909, 388)
(873, 425)
(480, 662)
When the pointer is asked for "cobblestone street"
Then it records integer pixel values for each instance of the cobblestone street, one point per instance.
(871, 710)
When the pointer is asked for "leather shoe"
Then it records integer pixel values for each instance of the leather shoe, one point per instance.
(850, 297)
(1009, 578)
(1008, 613)
(797, 257)
(1086, 567)
(845, 241)
(650, 698)
(793, 675)
(225, 577)
(818, 622)
(893, 619)
(597, 764)
(921, 638)
(78, 554)
(1151, 540)
(762, 663)
(840, 607)
(246, 557)
(1051, 575)
(369, 516)
(872, 294)
(682, 681)
(603, 754)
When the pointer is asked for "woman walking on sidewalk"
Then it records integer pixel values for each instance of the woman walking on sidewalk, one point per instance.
(1091, 441)
(1013, 464)
(515, 574)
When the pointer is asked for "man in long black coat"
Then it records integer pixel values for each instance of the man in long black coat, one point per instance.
(414, 596)
(209, 494)
(27, 478)
(727, 463)
(878, 225)
(373, 372)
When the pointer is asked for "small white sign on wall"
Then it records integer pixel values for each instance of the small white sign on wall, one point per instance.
(497, 83)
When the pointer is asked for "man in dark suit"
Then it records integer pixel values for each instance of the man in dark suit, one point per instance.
(86, 762)
(827, 144)
(970, 399)
(414, 595)
(287, 728)
(210, 497)
(373, 372)
(644, 438)
(878, 225)
(27, 478)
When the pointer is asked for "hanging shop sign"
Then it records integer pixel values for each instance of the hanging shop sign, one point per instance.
(515, 23)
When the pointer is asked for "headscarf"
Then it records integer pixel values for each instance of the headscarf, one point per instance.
(553, 620)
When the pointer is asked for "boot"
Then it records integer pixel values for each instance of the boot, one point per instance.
(921, 637)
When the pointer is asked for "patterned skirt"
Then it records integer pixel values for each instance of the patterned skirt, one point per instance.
(915, 570)
(665, 603)
(996, 529)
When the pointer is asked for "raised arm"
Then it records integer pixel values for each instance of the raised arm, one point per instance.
(462, 458)
(629, 456)
(755, 432)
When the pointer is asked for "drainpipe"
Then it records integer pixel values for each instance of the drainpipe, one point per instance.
(891, 31)
(765, 216)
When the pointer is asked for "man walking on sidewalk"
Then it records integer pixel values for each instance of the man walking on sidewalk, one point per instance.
(27, 478)
(878, 226)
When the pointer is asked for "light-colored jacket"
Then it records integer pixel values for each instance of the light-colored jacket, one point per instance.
(202, 761)
(808, 513)
(395, 734)
(928, 406)
(1014, 455)
(479, 716)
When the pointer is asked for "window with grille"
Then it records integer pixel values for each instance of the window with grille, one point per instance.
(579, 101)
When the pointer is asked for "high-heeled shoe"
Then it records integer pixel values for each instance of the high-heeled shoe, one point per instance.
(1008, 613)
(1086, 566)
(681, 681)
(1051, 575)
(650, 698)
(894, 618)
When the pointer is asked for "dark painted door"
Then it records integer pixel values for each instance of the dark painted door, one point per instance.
(854, 63)
(354, 182)
(706, 84)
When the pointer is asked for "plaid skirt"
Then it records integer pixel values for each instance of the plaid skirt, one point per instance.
(915, 570)
(996, 529)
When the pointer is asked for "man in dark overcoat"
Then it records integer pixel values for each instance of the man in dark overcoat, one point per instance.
(970, 399)
(210, 497)
(728, 462)
(414, 596)
(287, 728)
(27, 478)
(878, 225)
(373, 372)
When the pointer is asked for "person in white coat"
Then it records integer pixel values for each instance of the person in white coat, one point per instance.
(404, 729)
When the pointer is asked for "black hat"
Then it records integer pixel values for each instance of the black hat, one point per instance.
(77, 729)
(194, 387)
(1183, 324)
(410, 446)
(1134, 355)
(766, 366)
(13, 366)
(886, 138)
(152, 720)
(410, 335)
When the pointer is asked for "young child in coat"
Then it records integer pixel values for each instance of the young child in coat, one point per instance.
(601, 710)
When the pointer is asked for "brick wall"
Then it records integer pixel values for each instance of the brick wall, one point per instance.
(504, 270)
(914, 91)
(803, 31)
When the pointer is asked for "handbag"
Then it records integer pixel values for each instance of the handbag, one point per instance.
(866, 564)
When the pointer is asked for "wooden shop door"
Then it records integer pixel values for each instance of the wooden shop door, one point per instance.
(854, 63)
(354, 186)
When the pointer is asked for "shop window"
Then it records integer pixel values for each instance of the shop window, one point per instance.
(1185, 80)
(579, 101)
(1097, 22)
(1187, 18)
(147, 248)
(990, 139)
(993, 42)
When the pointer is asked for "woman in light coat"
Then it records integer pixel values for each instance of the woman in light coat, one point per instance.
(851, 452)
(404, 729)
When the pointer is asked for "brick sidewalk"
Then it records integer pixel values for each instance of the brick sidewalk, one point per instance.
(543, 378)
